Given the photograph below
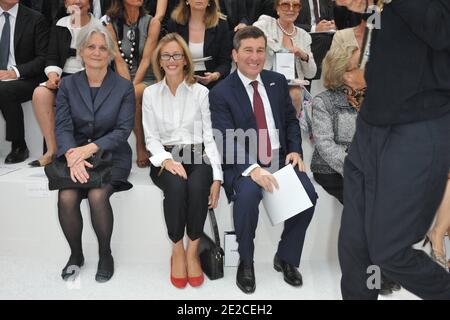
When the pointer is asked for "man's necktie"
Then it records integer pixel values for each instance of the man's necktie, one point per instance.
(264, 146)
(316, 11)
(5, 42)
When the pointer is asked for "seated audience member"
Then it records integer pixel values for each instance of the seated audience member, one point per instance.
(333, 125)
(136, 34)
(257, 101)
(94, 110)
(283, 36)
(23, 46)
(200, 24)
(62, 59)
(177, 123)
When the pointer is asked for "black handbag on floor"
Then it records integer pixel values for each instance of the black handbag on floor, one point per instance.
(58, 173)
(210, 252)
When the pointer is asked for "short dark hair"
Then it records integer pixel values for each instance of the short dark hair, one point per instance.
(246, 33)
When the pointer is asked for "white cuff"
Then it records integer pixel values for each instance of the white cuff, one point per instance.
(246, 173)
(56, 69)
(16, 71)
(217, 172)
(158, 159)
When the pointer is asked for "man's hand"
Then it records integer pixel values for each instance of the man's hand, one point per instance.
(295, 159)
(8, 75)
(355, 5)
(264, 179)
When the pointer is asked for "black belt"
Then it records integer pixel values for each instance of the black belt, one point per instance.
(198, 147)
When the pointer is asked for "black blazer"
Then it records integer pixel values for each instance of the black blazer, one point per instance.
(59, 47)
(304, 18)
(217, 44)
(30, 43)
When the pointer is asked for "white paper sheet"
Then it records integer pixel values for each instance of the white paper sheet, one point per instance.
(285, 64)
(287, 201)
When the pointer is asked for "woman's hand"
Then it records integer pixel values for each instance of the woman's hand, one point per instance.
(214, 194)
(299, 53)
(75, 156)
(175, 168)
(208, 77)
(53, 81)
(78, 172)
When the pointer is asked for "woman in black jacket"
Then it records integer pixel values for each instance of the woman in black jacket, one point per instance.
(204, 29)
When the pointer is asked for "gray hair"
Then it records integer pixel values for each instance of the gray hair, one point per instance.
(85, 35)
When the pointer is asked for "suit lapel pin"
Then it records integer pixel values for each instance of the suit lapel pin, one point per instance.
(272, 84)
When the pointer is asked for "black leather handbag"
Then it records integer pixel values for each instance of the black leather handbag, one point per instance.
(210, 252)
(58, 173)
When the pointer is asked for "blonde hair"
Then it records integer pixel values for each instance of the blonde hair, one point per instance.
(335, 64)
(182, 13)
(188, 68)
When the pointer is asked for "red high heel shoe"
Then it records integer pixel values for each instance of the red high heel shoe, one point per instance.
(180, 283)
(196, 281)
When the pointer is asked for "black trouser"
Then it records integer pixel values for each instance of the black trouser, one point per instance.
(394, 181)
(185, 201)
(332, 183)
(12, 94)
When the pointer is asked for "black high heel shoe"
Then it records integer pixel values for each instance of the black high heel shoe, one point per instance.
(71, 269)
(439, 258)
(104, 275)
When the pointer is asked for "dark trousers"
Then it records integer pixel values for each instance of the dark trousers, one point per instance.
(332, 183)
(12, 94)
(185, 201)
(248, 195)
(394, 181)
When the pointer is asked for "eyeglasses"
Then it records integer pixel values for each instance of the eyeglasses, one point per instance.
(176, 56)
(286, 6)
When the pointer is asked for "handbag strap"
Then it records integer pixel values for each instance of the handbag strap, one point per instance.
(215, 229)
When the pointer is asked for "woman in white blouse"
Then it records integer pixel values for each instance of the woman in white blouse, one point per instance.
(185, 162)
(62, 59)
(283, 36)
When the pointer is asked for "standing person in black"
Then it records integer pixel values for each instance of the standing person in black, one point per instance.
(23, 48)
(397, 166)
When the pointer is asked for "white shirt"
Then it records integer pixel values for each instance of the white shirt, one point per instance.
(197, 53)
(97, 9)
(12, 21)
(181, 119)
(273, 131)
(313, 17)
(72, 64)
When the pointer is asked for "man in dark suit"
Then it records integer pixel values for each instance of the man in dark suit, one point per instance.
(397, 166)
(23, 47)
(257, 102)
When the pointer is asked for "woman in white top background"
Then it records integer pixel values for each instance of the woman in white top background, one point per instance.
(62, 59)
(283, 36)
(177, 121)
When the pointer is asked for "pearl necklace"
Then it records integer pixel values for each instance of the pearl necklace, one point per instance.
(289, 34)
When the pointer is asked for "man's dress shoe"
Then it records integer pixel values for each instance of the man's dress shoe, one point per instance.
(245, 278)
(17, 155)
(290, 273)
